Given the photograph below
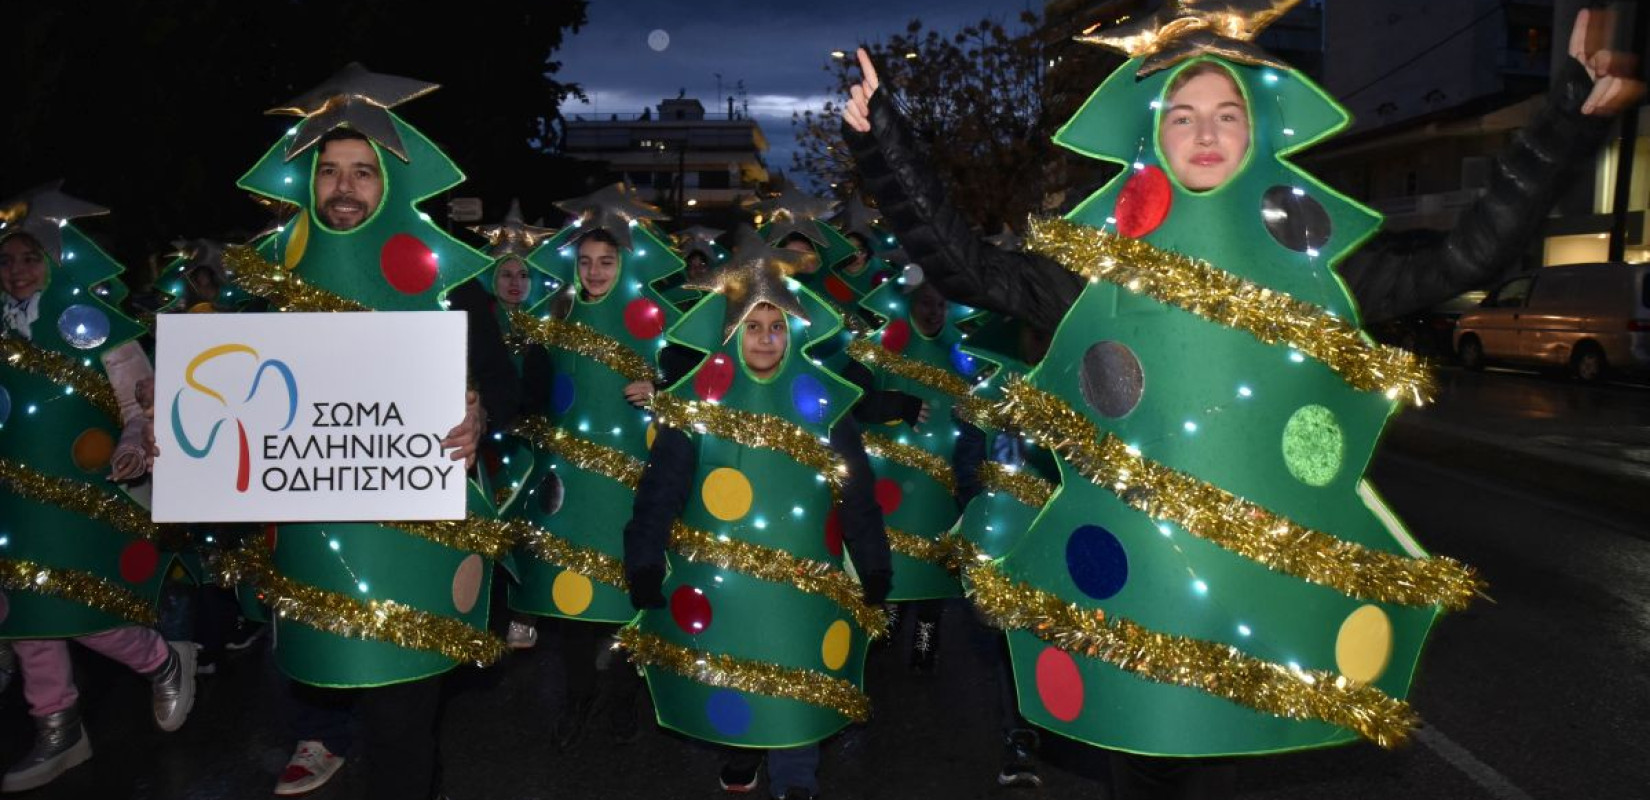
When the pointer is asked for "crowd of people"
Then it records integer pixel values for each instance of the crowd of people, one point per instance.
(724, 464)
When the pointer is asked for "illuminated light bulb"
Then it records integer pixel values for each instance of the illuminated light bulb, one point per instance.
(1139, 166)
(1295, 356)
(641, 252)
(1190, 426)
(1132, 450)
(1298, 191)
(1288, 131)
(1243, 630)
(1200, 587)
(68, 256)
(287, 179)
(761, 524)
(584, 427)
(5, 540)
(62, 223)
(1163, 528)
(32, 408)
(1244, 391)
(424, 216)
(334, 545)
(1311, 252)
(68, 390)
(506, 459)
(796, 511)
(362, 586)
(292, 131)
(1156, 104)
(1271, 77)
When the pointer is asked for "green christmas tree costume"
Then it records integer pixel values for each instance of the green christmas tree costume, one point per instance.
(915, 484)
(1215, 576)
(591, 441)
(763, 641)
(363, 604)
(77, 554)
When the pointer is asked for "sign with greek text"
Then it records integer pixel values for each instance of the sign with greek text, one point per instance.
(308, 417)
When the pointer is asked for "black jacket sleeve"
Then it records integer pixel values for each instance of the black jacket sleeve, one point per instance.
(676, 361)
(935, 235)
(862, 529)
(1399, 273)
(494, 376)
(660, 497)
(878, 406)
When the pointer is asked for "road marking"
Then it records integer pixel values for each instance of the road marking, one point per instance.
(1462, 759)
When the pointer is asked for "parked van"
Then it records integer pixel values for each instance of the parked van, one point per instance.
(1590, 318)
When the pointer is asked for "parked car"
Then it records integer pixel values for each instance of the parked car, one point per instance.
(1589, 318)
(1429, 333)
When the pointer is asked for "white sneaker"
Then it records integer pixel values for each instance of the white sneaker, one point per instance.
(522, 636)
(312, 765)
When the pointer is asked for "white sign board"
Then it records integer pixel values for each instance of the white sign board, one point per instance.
(308, 417)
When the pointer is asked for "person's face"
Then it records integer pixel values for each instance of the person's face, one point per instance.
(801, 245)
(763, 340)
(598, 268)
(510, 283)
(927, 310)
(204, 284)
(349, 183)
(22, 268)
(1205, 131)
(862, 251)
(697, 266)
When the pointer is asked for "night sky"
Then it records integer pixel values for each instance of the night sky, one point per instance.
(778, 50)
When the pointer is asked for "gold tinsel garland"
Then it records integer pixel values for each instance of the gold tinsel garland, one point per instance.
(78, 587)
(1025, 487)
(581, 453)
(473, 534)
(260, 277)
(964, 554)
(583, 340)
(1213, 667)
(372, 620)
(912, 457)
(778, 566)
(940, 552)
(874, 355)
(979, 412)
(587, 561)
(86, 381)
(1237, 525)
(754, 677)
(86, 500)
(1199, 288)
(764, 431)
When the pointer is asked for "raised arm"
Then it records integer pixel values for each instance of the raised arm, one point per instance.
(932, 231)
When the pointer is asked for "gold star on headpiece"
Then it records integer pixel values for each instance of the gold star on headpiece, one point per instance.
(512, 236)
(1186, 28)
(793, 211)
(353, 98)
(697, 239)
(756, 274)
(41, 213)
(611, 208)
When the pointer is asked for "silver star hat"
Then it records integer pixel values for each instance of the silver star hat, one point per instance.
(611, 208)
(757, 273)
(354, 98)
(698, 239)
(512, 236)
(42, 212)
(857, 217)
(794, 212)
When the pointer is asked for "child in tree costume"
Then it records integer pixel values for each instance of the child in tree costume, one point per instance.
(79, 558)
(590, 437)
(603, 336)
(388, 604)
(763, 641)
(700, 254)
(918, 353)
(875, 258)
(1215, 576)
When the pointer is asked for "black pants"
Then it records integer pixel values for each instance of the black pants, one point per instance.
(399, 737)
(1135, 777)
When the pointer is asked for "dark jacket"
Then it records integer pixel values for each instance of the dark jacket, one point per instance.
(491, 371)
(1394, 274)
(663, 493)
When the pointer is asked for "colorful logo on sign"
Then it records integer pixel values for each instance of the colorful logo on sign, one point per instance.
(243, 470)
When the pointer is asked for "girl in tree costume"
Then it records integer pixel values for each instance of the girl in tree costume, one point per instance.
(875, 258)
(79, 558)
(603, 335)
(1215, 576)
(763, 642)
(363, 604)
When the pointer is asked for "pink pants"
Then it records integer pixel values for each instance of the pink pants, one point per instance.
(48, 679)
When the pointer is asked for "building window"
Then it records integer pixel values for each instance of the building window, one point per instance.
(717, 179)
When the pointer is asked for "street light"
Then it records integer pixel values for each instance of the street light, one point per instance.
(838, 55)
